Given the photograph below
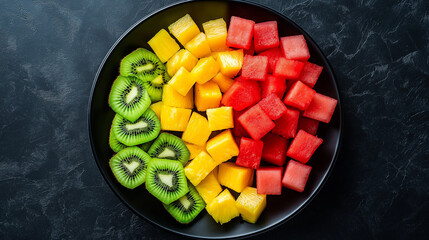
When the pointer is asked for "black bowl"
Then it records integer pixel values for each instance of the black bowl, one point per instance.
(279, 208)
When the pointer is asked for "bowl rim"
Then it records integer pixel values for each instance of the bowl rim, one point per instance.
(236, 236)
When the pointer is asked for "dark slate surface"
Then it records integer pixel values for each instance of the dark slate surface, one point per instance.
(51, 188)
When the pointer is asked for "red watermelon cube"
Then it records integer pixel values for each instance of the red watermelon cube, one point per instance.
(321, 108)
(254, 68)
(256, 122)
(269, 180)
(296, 175)
(299, 96)
(309, 125)
(272, 84)
(266, 36)
(273, 54)
(250, 153)
(240, 33)
(303, 146)
(287, 124)
(310, 73)
(289, 69)
(295, 48)
(238, 130)
(273, 106)
(242, 94)
(275, 148)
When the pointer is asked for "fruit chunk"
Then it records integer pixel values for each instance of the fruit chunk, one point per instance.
(157, 107)
(172, 98)
(299, 96)
(273, 106)
(220, 118)
(238, 129)
(216, 34)
(250, 153)
(222, 147)
(250, 204)
(266, 36)
(295, 48)
(254, 67)
(273, 84)
(182, 58)
(289, 69)
(194, 150)
(182, 81)
(197, 131)
(296, 175)
(230, 62)
(310, 73)
(256, 122)
(209, 188)
(163, 45)
(269, 180)
(287, 124)
(184, 29)
(207, 96)
(174, 119)
(303, 146)
(223, 208)
(200, 167)
(321, 108)
(272, 54)
(205, 70)
(242, 94)
(274, 150)
(198, 46)
(223, 81)
(240, 33)
(307, 124)
(234, 177)
(169, 146)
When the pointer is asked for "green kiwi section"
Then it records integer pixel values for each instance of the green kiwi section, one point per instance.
(168, 146)
(154, 86)
(141, 63)
(114, 144)
(145, 146)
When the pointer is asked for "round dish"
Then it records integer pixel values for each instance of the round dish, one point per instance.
(279, 208)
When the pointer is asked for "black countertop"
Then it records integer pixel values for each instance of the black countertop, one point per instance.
(51, 187)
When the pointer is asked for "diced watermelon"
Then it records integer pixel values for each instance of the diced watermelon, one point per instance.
(237, 140)
(238, 130)
(273, 84)
(256, 122)
(240, 33)
(254, 68)
(250, 153)
(269, 180)
(287, 124)
(303, 146)
(242, 94)
(310, 73)
(289, 69)
(272, 54)
(299, 96)
(321, 108)
(295, 48)
(307, 124)
(250, 51)
(266, 36)
(296, 175)
(275, 148)
(273, 106)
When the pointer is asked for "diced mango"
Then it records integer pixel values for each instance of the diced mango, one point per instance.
(205, 69)
(197, 131)
(222, 147)
(223, 81)
(223, 208)
(216, 34)
(174, 119)
(234, 177)
(157, 107)
(163, 45)
(207, 96)
(209, 188)
(220, 118)
(216, 54)
(184, 29)
(199, 46)
(183, 58)
(230, 62)
(172, 98)
(200, 167)
(250, 204)
(194, 150)
(182, 81)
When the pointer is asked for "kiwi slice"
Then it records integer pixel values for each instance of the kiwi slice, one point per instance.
(186, 208)
(154, 86)
(142, 63)
(168, 146)
(143, 130)
(129, 98)
(129, 166)
(166, 180)
(115, 145)
(145, 146)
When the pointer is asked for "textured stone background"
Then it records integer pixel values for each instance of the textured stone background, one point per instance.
(50, 186)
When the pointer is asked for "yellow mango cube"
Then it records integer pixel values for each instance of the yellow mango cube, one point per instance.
(207, 96)
(209, 188)
(200, 167)
(182, 81)
(230, 62)
(220, 118)
(206, 69)
(215, 55)
(197, 131)
(216, 34)
(223, 207)
(183, 58)
(250, 204)
(234, 177)
(184, 29)
(163, 45)
(223, 81)
(172, 98)
(194, 150)
(157, 107)
(174, 119)
(222, 147)
(199, 46)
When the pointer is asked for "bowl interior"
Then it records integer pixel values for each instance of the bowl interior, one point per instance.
(279, 208)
